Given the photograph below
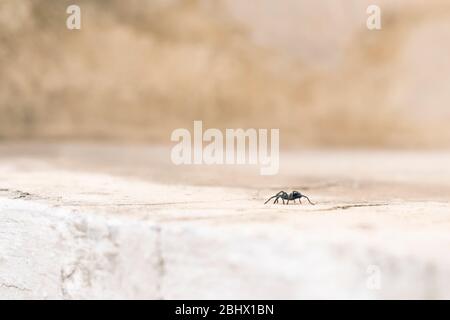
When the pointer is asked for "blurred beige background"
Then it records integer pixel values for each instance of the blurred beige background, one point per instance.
(139, 69)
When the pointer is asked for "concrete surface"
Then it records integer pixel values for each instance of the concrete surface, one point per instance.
(88, 221)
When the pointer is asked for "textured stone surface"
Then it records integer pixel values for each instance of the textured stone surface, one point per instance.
(77, 222)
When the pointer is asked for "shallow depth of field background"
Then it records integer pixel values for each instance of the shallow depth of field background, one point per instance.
(139, 69)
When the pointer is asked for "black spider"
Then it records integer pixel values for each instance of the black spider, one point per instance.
(292, 196)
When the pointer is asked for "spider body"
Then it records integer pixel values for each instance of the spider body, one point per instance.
(289, 197)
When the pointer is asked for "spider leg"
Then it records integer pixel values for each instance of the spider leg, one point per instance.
(308, 200)
(275, 196)
(278, 195)
(288, 202)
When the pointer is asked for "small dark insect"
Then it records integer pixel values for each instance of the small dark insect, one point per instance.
(289, 197)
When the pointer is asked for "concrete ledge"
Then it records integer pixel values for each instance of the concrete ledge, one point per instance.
(50, 253)
(71, 232)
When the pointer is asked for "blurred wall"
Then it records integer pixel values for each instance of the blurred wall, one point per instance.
(139, 69)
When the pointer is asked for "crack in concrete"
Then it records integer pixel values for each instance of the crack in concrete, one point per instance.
(21, 195)
(12, 286)
(146, 204)
(64, 277)
(16, 194)
(161, 263)
(350, 206)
